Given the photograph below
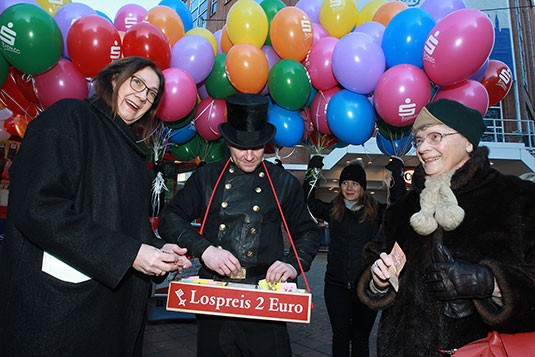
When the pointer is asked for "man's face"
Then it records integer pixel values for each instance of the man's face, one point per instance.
(246, 159)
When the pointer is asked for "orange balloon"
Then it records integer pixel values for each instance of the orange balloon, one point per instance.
(386, 12)
(168, 21)
(20, 125)
(247, 68)
(291, 33)
(225, 41)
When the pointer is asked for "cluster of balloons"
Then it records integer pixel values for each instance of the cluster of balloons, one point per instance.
(333, 72)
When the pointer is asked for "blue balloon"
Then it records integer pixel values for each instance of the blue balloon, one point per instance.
(100, 13)
(396, 147)
(289, 123)
(180, 136)
(405, 35)
(182, 10)
(351, 117)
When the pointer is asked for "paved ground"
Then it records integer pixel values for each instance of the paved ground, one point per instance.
(178, 337)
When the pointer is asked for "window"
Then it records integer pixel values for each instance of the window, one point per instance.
(213, 7)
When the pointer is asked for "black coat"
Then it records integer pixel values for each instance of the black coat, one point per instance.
(80, 190)
(252, 235)
(498, 231)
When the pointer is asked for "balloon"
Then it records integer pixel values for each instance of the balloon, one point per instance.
(167, 21)
(25, 84)
(497, 81)
(391, 132)
(387, 11)
(247, 68)
(195, 55)
(313, 92)
(338, 17)
(93, 34)
(271, 7)
(206, 34)
(247, 23)
(182, 135)
(394, 147)
(289, 124)
(404, 37)
(368, 11)
(311, 8)
(374, 29)
(289, 84)
(129, 15)
(319, 63)
(478, 76)
(16, 125)
(469, 92)
(358, 62)
(180, 94)
(226, 43)
(402, 91)
(217, 36)
(52, 6)
(146, 40)
(4, 4)
(319, 32)
(318, 109)
(101, 14)
(188, 150)
(182, 10)
(66, 16)
(210, 113)
(12, 98)
(182, 122)
(291, 33)
(457, 46)
(350, 117)
(217, 82)
(321, 141)
(272, 58)
(4, 69)
(31, 39)
(62, 81)
(214, 150)
(440, 8)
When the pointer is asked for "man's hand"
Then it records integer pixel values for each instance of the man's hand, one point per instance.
(183, 262)
(153, 261)
(221, 261)
(280, 271)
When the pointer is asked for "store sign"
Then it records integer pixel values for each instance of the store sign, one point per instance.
(407, 176)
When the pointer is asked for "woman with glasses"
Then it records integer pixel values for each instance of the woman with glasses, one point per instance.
(79, 252)
(468, 235)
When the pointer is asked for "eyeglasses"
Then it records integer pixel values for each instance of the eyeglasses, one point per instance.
(433, 138)
(139, 86)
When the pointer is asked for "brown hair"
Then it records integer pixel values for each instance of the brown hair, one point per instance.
(120, 71)
(369, 211)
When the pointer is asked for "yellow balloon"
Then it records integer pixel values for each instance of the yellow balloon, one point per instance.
(338, 17)
(206, 34)
(51, 6)
(247, 23)
(367, 12)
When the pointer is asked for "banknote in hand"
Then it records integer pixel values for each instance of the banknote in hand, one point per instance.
(398, 257)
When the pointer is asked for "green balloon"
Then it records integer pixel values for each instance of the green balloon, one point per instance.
(30, 38)
(187, 151)
(392, 132)
(4, 70)
(217, 82)
(289, 84)
(271, 7)
(214, 150)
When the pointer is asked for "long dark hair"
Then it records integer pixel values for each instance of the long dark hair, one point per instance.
(121, 71)
(369, 211)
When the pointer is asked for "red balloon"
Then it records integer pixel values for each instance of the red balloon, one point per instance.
(14, 100)
(93, 43)
(497, 81)
(16, 125)
(25, 85)
(146, 40)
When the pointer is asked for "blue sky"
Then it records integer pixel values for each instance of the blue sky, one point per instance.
(110, 7)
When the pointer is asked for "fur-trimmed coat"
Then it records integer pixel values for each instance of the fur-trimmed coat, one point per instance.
(498, 231)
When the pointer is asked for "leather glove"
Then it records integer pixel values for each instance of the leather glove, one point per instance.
(459, 280)
(395, 165)
(316, 162)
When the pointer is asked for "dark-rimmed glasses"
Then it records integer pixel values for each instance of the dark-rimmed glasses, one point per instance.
(433, 138)
(139, 86)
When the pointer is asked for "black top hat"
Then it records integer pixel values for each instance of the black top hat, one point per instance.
(247, 125)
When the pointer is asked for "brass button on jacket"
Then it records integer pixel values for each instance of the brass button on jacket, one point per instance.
(250, 253)
(224, 204)
(252, 230)
(256, 208)
(258, 190)
(261, 174)
(228, 186)
(222, 227)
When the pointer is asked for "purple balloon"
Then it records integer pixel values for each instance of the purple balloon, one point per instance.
(217, 36)
(272, 58)
(480, 72)
(4, 4)
(374, 29)
(129, 15)
(319, 32)
(66, 16)
(195, 55)
(202, 91)
(440, 8)
(311, 8)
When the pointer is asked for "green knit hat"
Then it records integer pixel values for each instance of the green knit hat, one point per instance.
(467, 121)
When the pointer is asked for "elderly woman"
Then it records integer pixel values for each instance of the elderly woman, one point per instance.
(79, 253)
(468, 233)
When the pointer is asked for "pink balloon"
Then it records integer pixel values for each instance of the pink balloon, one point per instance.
(210, 113)
(272, 58)
(400, 94)
(319, 63)
(457, 46)
(61, 81)
(319, 32)
(469, 92)
(180, 95)
(129, 15)
(309, 126)
(318, 109)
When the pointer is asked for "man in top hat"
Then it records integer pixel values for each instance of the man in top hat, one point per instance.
(242, 240)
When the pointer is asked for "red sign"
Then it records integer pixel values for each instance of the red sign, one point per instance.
(237, 302)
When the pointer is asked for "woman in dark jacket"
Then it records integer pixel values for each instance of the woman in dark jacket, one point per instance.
(79, 252)
(354, 218)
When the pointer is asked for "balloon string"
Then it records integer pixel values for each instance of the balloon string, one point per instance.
(215, 132)
(4, 93)
(202, 112)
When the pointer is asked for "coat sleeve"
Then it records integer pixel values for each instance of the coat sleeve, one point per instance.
(46, 176)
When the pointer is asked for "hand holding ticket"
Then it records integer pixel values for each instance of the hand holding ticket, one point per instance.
(398, 258)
